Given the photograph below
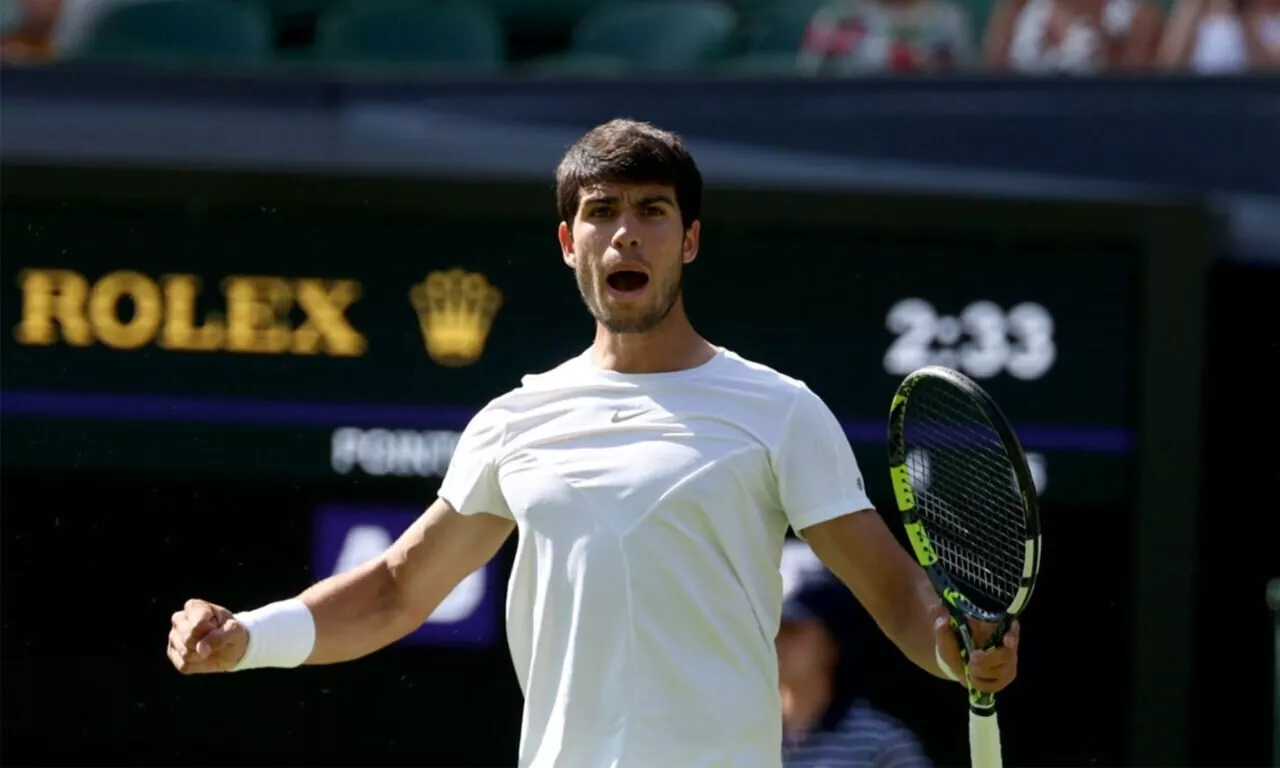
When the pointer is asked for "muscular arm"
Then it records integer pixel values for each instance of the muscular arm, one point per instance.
(372, 606)
(861, 551)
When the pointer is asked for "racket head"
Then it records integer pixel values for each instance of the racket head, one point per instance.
(966, 495)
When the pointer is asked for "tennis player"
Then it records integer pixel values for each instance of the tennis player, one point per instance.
(652, 479)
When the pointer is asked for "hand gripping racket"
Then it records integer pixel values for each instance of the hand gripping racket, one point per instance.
(969, 508)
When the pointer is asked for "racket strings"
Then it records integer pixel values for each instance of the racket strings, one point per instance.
(967, 493)
(995, 569)
(1009, 533)
(977, 550)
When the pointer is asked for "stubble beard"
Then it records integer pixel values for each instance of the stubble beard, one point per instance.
(642, 323)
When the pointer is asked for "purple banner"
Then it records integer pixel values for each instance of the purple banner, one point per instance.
(346, 536)
(116, 407)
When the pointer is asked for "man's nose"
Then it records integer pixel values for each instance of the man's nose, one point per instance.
(628, 234)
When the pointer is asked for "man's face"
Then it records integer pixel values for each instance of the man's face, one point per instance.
(627, 247)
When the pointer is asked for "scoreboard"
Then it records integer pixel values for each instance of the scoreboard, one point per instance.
(294, 346)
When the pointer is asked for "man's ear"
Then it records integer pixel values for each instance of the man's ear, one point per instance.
(691, 241)
(565, 235)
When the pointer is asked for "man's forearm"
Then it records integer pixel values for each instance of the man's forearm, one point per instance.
(353, 614)
(913, 626)
(356, 613)
(891, 585)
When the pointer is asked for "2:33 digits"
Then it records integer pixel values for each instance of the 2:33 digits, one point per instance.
(983, 341)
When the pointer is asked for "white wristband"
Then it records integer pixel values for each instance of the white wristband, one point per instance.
(943, 665)
(281, 634)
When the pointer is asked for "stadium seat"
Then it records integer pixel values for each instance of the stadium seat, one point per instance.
(652, 35)
(777, 28)
(579, 66)
(180, 30)
(760, 65)
(769, 37)
(296, 8)
(980, 16)
(409, 32)
(532, 16)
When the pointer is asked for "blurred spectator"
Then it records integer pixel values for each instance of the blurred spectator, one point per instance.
(28, 30)
(1072, 36)
(854, 37)
(827, 722)
(1214, 37)
(47, 30)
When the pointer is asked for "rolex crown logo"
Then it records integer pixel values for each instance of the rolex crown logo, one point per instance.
(455, 312)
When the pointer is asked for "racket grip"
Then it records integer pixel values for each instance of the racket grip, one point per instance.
(984, 739)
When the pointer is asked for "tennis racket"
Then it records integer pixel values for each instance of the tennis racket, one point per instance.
(969, 508)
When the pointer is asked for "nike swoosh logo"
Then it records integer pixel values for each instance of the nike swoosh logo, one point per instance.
(622, 416)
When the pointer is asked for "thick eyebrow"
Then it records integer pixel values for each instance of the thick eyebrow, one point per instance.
(651, 199)
(642, 202)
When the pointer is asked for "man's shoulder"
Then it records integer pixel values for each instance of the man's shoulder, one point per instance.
(779, 394)
(754, 374)
(539, 386)
(565, 373)
(571, 377)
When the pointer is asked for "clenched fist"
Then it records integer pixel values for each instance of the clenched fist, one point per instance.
(204, 637)
(990, 671)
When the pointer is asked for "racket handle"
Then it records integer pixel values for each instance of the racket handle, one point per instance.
(984, 739)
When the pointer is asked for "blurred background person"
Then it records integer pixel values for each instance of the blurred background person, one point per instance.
(28, 28)
(859, 37)
(43, 31)
(1072, 36)
(1220, 37)
(827, 721)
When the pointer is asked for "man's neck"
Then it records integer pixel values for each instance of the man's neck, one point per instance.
(672, 345)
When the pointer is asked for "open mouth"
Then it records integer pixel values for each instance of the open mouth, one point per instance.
(627, 281)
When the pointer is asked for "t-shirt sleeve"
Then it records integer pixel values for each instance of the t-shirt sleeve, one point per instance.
(470, 484)
(818, 476)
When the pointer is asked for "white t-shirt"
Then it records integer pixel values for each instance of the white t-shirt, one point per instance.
(646, 592)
